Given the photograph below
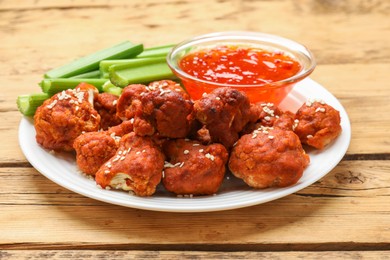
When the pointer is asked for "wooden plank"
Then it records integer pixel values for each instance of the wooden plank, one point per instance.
(62, 38)
(353, 179)
(349, 204)
(292, 223)
(186, 255)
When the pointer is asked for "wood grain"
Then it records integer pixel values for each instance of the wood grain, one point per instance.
(345, 215)
(354, 192)
(188, 255)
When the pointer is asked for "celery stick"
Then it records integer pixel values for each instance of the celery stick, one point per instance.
(28, 104)
(108, 87)
(88, 75)
(91, 62)
(150, 70)
(53, 86)
(106, 64)
(156, 51)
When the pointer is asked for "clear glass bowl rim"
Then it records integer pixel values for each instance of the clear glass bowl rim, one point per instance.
(262, 38)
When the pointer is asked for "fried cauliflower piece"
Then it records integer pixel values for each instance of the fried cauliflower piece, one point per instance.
(137, 166)
(224, 112)
(162, 107)
(269, 115)
(269, 157)
(93, 149)
(63, 117)
(105, 105)
(193, 168)
(318, 123)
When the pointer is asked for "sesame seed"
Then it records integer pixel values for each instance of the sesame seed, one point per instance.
(309, 136)
(143, 151)
(195, 144)
(201, 150)
(138, 152)
(108, 188)
(210, 156)
(120, 152)
(170, 165)
(186, 152)
(204, 94)
(107, 171)
(269, 111)
(267, 118)
(181, 165)
(271, 137)
(52, 104)
(114, 102)
(218, 98)
(122, 158)
(163, 174)
(254, 135)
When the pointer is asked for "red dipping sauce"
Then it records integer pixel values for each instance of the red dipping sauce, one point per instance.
(264, 66)
(239, 65)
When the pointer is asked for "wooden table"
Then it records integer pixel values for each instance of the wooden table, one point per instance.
(344, 215)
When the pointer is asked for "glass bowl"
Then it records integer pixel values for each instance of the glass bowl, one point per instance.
(273, 92)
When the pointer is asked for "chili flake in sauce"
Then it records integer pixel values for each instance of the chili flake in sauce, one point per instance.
(238, 65)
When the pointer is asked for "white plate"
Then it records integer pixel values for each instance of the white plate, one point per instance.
(62, 168)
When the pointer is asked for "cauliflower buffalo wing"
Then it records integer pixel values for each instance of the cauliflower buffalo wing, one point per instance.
(193, 168)
(318, 123)
(269, 157)
(161, 107)
(63, 117)
(136, 166)
(224, 112)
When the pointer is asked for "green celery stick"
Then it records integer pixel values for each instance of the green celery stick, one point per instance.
(108, 87)
(88, 75)
(53, 86)
(106, 64)
(156, 51)
(150, 70)
(28, 104)
(91, 62)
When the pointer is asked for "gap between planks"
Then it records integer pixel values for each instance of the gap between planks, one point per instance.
(282, 247)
